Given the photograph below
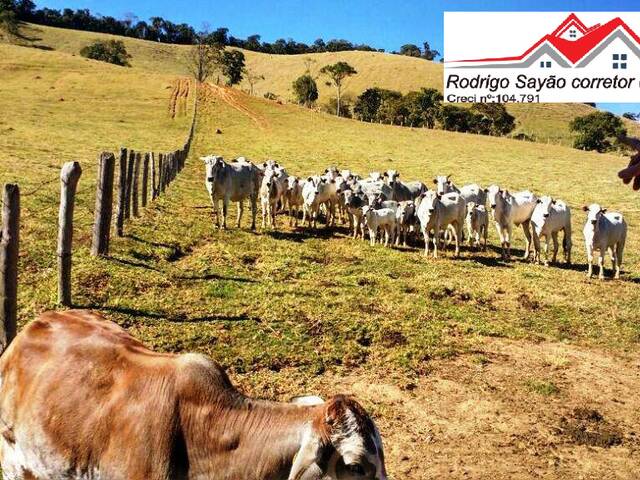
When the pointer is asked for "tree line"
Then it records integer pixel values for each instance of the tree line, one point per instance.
(159, 29)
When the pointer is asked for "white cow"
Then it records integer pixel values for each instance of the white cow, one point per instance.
(271, 192)
(293, 198)
(509, 210)
(316, 192)
(604, 231)
(354, 201)
(383, 219)
(550, 217)
(405, 220)
(470, 193)
(401, 191)
(436, 212)
(477, 224)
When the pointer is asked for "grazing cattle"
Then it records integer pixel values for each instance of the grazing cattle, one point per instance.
(233, 182)
(477, 224)
(82, 399)
(548, 219)
(436, 212)
(401, 191)
(271, 193)
(317, 191)
(354, 202)
(293, 198)
(375, 177)
(509, 210)
(604, 231)
(382, 219)
(405, 220)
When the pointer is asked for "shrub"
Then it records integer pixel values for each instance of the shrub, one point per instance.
(597, 131)
(306, 90)
(111, 51)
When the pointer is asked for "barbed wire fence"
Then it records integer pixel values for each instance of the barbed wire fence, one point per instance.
(143, 178)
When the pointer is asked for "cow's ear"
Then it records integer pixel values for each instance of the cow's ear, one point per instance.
(326, 170)
(264, 165)
(309, 179)
(585, 208)
(486, 190)
(435, 181)
(538, 201)
(439, 195)
(397, 175)
(553, 202)
(385, 174)
(604, 210)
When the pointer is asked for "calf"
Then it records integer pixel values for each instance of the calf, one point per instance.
(436, 212)
(548, 219)
(354, 202)
(477, 224)
(405, 220)
(383, 219)
(81, 399)
(293, 198)
(270, 195)
(604, 231)
(233, 182)
(509, 210)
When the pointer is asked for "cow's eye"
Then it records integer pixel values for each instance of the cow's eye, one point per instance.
(356, 469)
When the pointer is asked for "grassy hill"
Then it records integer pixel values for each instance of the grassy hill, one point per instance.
(455, 358)
(546, 123)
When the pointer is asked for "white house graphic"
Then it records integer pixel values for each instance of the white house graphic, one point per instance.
(612, 46)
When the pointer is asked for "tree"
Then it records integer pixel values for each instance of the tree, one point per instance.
(495, 116)
(203, 58)
(232, 66)
(367, 104)
(631, 116)
(410, 50)
(252, 79)
(596, 131)
(110, 51)
(306, 90)
(338, 72)
(428, 53)
(455, 119)
(9, 25)
(427, 104)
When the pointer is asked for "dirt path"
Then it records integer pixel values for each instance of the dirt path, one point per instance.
(179, 96)
(513, 410)
(233, 98)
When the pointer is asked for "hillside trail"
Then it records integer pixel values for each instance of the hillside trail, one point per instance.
(234, 99)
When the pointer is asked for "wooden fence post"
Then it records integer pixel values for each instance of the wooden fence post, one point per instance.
(127, 197)
(161, 173)
(135, 190)
(69, 177)
(9, 245)
(154, 176)
(122, 190)
(104, 205)
(145, 179)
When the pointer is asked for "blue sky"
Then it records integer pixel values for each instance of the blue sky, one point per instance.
(384, 24)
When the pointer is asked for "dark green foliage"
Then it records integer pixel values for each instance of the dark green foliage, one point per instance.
(493, 119)
(110, 51)
(306, 90)
(416, 109)
(232, 66)
(8, 19)
(597, 131)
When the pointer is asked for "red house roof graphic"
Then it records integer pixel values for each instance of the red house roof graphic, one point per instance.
(572, 50)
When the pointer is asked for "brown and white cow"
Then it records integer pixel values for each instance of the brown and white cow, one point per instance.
(82, 399)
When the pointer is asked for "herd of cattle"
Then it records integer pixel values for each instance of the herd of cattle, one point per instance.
(391, 210)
